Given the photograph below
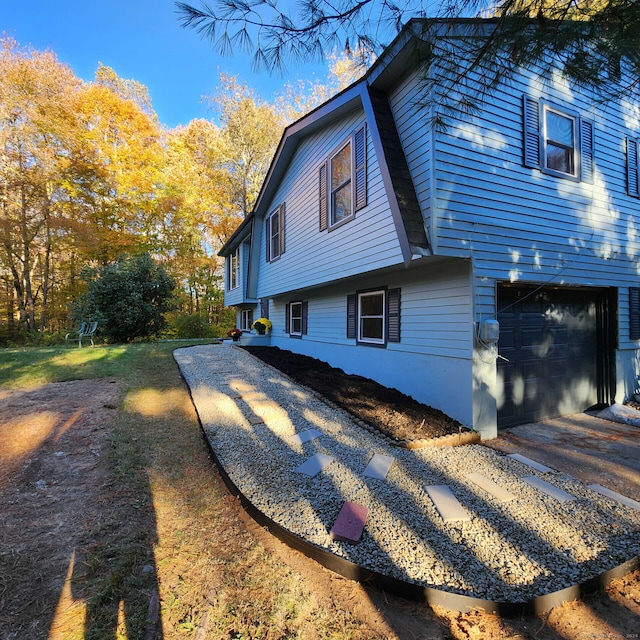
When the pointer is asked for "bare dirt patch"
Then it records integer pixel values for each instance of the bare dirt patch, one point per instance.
(65, 515)
(52, 475)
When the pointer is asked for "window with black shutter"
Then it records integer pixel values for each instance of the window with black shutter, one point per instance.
(557, 141)
(275, 234)
(373, 316)
(342, 181)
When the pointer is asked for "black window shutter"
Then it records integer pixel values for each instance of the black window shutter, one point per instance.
(393, 315)
(282, 208)
(634, 313)
(267, 226)
(586, 150)
(352, 300)
(632, 167)
(305, 317)
(264, 309)
(287, 313)
(360, 167)
(322, 189)
(531, 122)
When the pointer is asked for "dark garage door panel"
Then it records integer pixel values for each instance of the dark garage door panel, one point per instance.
(550, 341)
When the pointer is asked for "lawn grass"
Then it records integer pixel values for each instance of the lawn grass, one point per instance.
(28, 367)
(164, 527)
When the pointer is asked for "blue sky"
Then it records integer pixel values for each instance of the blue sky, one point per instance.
(140, 40)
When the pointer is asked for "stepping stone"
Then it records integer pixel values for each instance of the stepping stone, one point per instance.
(267, 410)
(350, 522)
(305, 436)
(254, 419)
(447, 505)
(618, 497)
(502, 495)
(530, 463)
(378, 466)
(314, 465)
(549, 489)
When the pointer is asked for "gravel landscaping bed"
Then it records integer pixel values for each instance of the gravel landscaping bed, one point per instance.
(507, 551)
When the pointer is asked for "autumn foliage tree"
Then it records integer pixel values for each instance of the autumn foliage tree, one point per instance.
(250, 130)
(87, 175)
(37, 131)
(194, 208)
(79, 166)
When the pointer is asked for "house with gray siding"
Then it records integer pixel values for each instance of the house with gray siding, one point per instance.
(489, 269)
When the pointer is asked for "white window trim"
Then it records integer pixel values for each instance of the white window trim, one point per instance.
(332, 221)
(246, 319)
(382, 316)
(535, 140)
(547, 109)
(233, 270)
(357, 181)
(274, 247)
(293, 316)
(275, 250)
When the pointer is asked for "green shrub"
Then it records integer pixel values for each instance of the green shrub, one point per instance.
(191, 325)
(128, 298)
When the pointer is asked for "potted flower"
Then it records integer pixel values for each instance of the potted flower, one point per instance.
(262, 325)
(234, 334)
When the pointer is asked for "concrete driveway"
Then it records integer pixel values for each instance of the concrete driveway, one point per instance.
(594, 450)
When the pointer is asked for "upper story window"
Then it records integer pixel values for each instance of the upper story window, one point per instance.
(343, 181)
(557, 141)
(340, 178)
(233, 270)
(275, 234)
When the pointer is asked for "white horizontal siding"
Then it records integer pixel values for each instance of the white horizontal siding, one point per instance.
(233, 296)
(516, 223)
(436, 309)
(312, 257)
(436, 344)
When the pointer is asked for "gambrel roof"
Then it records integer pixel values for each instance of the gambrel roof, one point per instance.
(364, 94)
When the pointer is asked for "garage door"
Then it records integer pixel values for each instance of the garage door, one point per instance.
(550, 342)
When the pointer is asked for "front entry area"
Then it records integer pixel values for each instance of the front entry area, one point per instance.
(554, 352)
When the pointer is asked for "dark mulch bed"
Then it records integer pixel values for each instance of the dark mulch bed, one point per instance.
(388, 410)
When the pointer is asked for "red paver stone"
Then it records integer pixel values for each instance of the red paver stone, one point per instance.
(350, 522)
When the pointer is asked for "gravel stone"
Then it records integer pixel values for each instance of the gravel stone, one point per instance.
(510, 551)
